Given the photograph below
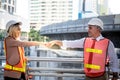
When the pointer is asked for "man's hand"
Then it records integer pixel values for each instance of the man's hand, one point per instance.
(52, 43)
(115, 76)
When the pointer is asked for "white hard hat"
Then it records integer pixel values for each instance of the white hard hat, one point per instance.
(12, 22)
(97, 22)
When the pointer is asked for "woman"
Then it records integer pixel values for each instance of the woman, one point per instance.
(15, 67)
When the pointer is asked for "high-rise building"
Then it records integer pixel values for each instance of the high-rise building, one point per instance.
(44, 12)
(102, 7)
(8, 5)
(91, 8)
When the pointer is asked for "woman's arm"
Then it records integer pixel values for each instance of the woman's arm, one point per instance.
(13, 42)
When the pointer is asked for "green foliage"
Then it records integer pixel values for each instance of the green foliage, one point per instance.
(35, 36)
(2, 34)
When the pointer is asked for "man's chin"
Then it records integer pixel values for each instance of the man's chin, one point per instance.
(89, 35)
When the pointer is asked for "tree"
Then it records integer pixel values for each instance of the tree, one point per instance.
(35, 36)
(2, 34)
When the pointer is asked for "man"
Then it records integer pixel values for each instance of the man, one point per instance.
(97, 50)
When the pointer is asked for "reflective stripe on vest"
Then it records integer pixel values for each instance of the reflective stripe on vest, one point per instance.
(92, 66)
(98, 51)
(9, 67)
(95, 53)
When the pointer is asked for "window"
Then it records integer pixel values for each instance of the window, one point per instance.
(9, 1)
(5, 7)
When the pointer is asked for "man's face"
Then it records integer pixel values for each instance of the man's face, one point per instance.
(92, 30)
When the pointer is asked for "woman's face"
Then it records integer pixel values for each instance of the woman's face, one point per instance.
(15, 31)
(18, 32)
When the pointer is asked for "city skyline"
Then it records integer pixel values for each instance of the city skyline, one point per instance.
(23, 7)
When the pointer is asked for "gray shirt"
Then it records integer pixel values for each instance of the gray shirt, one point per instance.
(114, 64)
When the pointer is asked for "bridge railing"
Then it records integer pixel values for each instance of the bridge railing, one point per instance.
(52, 72)
(57, 72)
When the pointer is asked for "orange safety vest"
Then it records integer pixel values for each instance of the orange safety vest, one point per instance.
(21, 66)
(95, 53)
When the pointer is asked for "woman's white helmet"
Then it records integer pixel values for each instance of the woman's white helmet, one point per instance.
(10, 23)
(97, 22)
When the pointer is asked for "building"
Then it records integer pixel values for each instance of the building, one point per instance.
(92, 8)
(8, 5)
(44, 12)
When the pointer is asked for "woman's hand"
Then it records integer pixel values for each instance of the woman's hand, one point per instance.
(54, 42)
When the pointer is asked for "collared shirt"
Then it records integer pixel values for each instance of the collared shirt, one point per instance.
(114, 64)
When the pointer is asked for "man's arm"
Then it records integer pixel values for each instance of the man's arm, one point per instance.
(67, 44)
(114, 64)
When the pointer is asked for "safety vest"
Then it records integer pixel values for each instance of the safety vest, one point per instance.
(95, 53)
(21, 66)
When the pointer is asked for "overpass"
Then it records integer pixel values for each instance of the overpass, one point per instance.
(75, 29)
